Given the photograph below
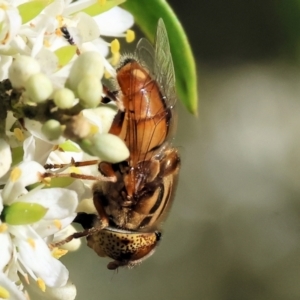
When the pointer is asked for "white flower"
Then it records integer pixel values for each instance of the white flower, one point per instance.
(30, 220)
(6, 159)
(8, 290)
(10, 21)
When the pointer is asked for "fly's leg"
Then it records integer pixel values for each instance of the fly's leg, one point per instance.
(73, 163)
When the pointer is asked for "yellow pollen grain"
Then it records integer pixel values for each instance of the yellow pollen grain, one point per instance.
(115, 58)
(58, 32)
(46, 43)
(107, 74)
(3, 227)
(115, 46)
(93, 129)
(57, 224)
(15, 174)
(58, 253)
(46, 181)
(75, 170)
(40, 282)
(31, 242)
(102, 2)
(130, 36)
(60, 20)
(4, 293)
(19, 134)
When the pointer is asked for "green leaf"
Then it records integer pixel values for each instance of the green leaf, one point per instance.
(98, 8)
(65, 54)
(31, 9)
(69, 146)
(17, 155)
(146, 14)
(22, 213)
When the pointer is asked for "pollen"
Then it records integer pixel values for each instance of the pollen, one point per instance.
(58, 32)
(4, 293)
(102, 2)
(57, 224)
(130, 36)
(41, 283)
(15, 174)
(115, 58)
(74, 170)
(46, 181)
(107, 74)
(46, 43)
(115, 46)
(3, 227)
(19, 134)
(60, 20)
(58, 252)
(31, 242)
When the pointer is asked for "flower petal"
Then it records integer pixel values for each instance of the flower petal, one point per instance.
(108, 25)
(6, 158)
(11, 288)
(36, 257)
(5, 249)
(23, 175)
(59, 202)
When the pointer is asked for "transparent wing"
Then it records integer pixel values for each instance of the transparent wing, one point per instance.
(146, 55)
(164, 69)
(158, 61)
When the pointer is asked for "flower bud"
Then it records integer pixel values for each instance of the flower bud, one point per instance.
(87, 64)
(52, 129)
(64, 98)
(21, 69)
(39, 88)
(89, 91)
(110, 148)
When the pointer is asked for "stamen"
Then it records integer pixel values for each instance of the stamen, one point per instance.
(57, 224)
(31, 242)
(46, 181)
(40, 282)
(26, 277)
(3, 227)
(130, 36)
(58, 252)
(75, 170)
(46, 43)
(102, 2)
(15, 174)
(115, 46)
(19, 134)
(4, 293)
(107, 74)
(115, 58)
(60, 20)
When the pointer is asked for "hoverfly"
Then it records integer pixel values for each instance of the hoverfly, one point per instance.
(131, 209)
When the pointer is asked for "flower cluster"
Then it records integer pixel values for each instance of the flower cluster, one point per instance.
(52, 60)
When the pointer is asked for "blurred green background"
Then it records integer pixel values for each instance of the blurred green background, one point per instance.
(233, 232)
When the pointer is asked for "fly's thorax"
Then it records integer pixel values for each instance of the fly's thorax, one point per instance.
(127, 248)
